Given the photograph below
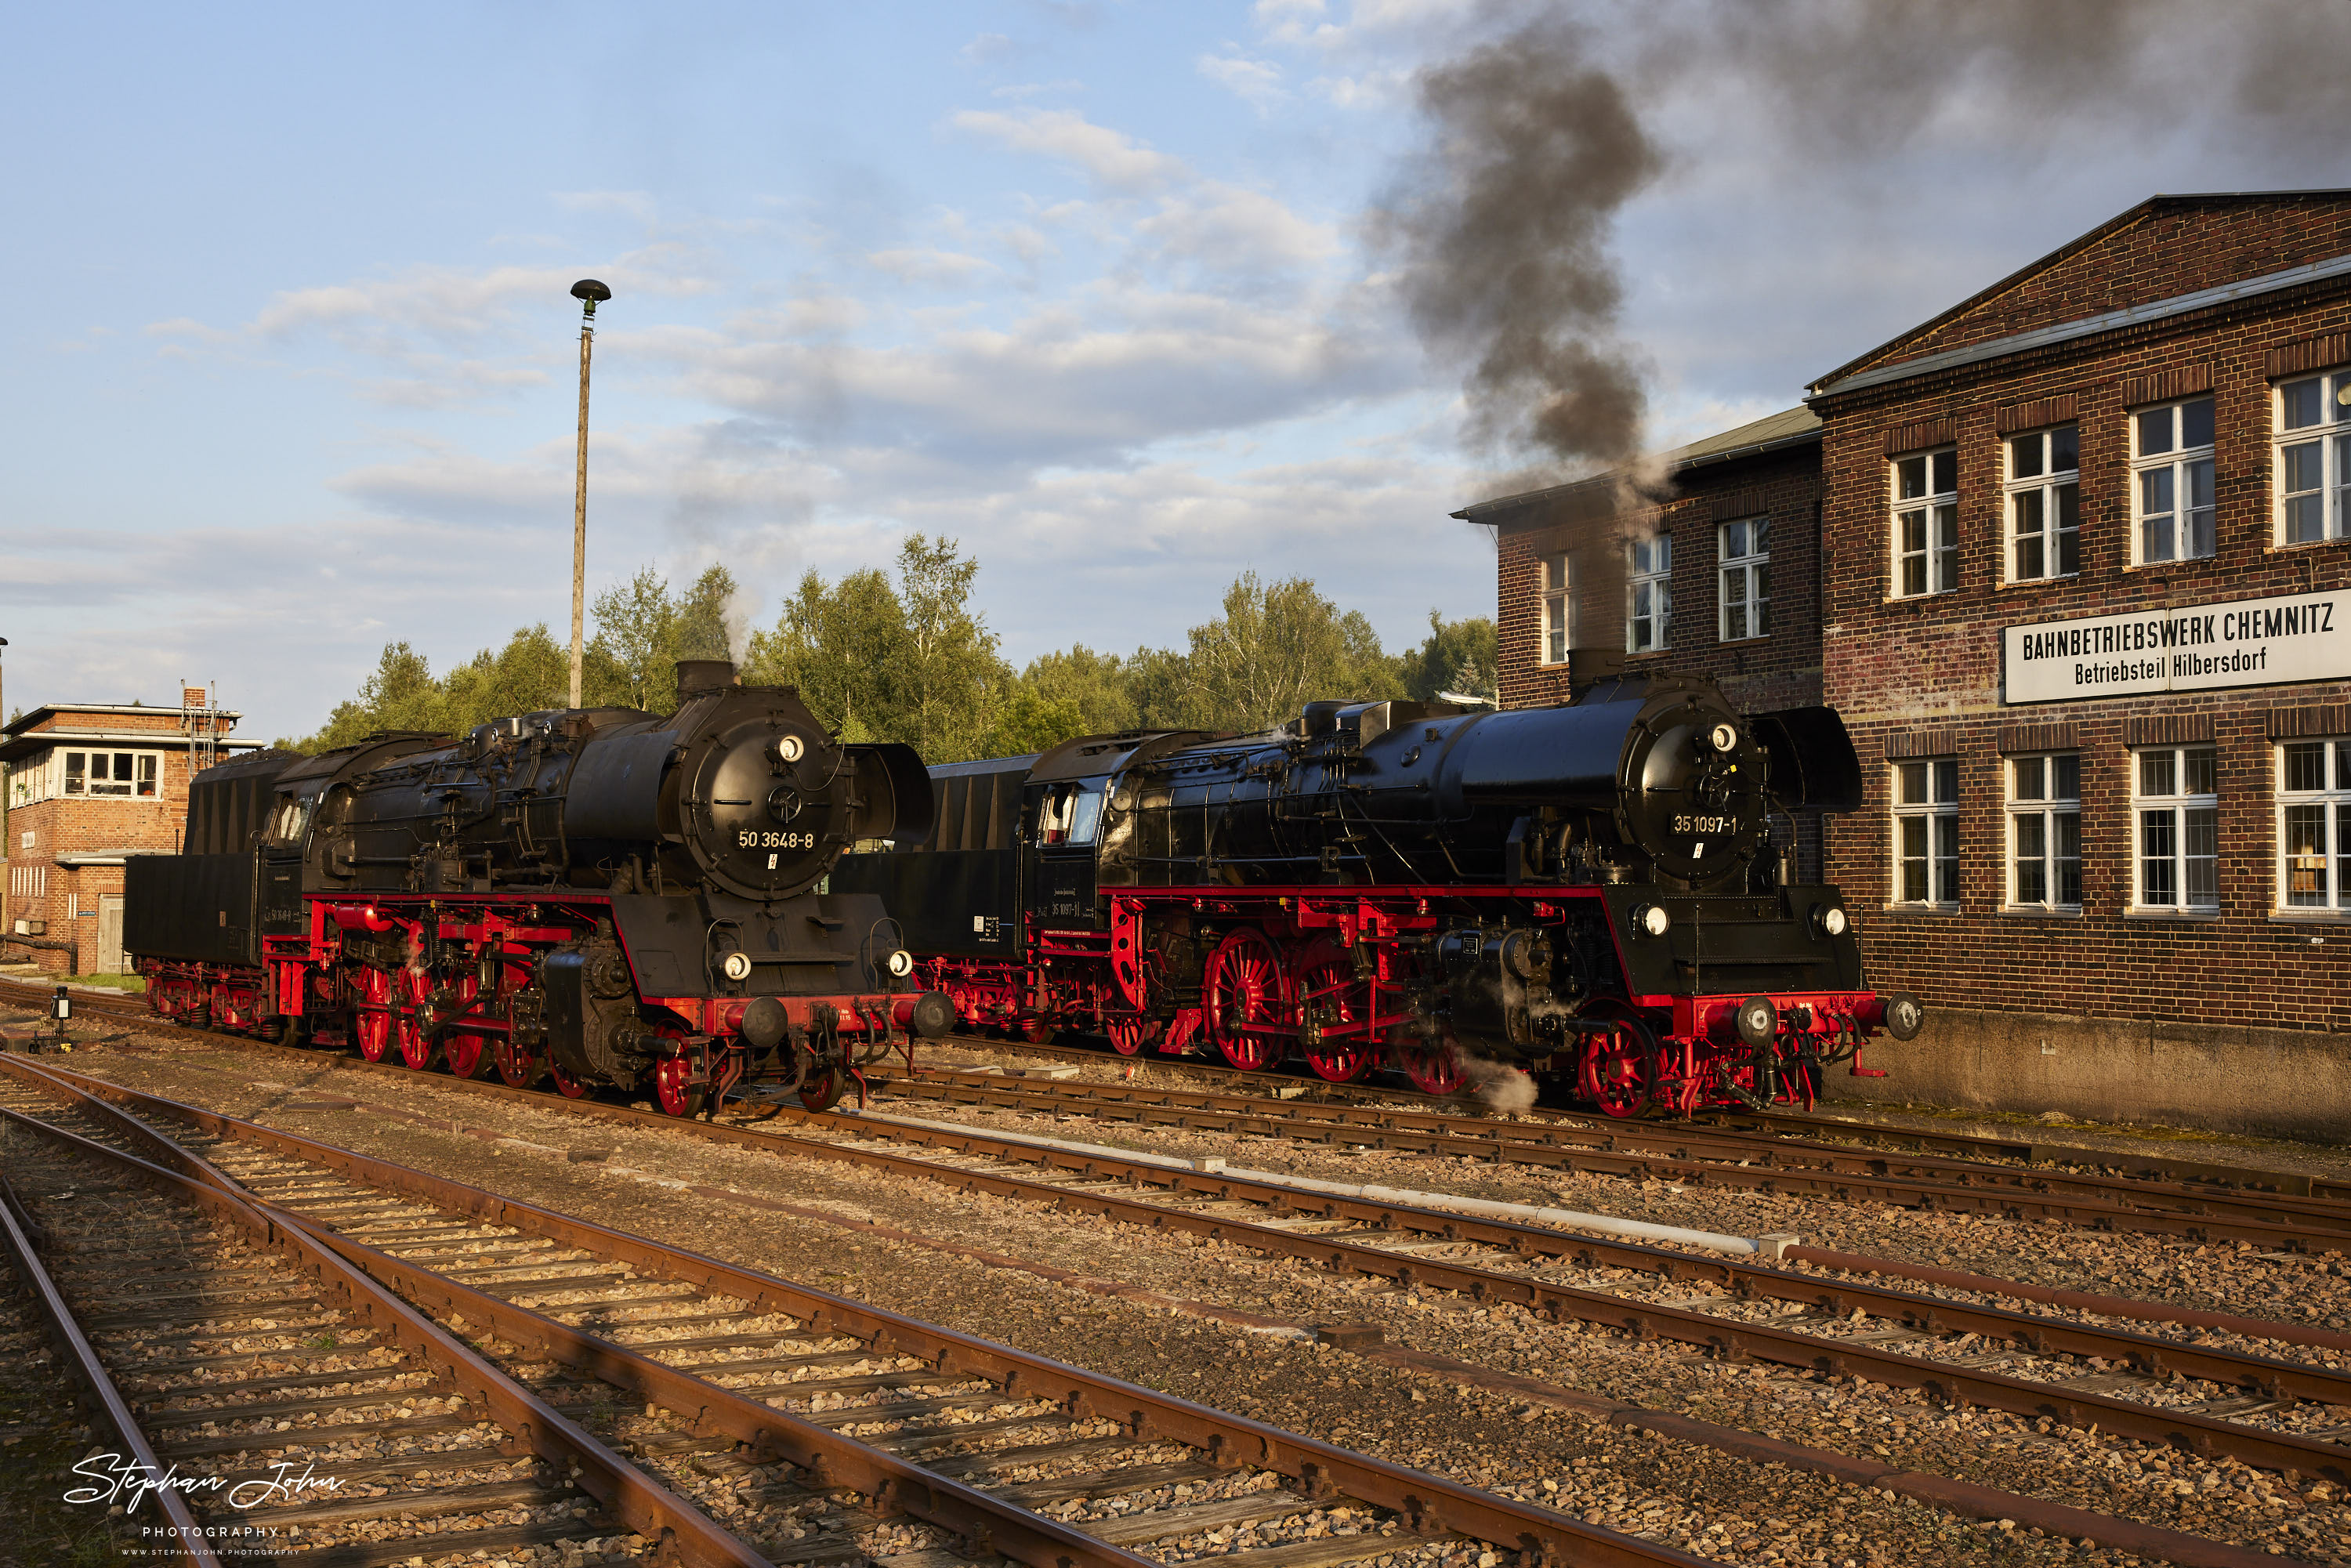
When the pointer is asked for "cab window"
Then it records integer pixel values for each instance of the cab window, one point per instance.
(1068, 815)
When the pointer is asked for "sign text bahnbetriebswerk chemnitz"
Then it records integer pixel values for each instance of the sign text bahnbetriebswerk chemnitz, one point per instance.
(2183, 648)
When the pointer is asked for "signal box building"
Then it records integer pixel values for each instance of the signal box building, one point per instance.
(2084, 601)
(90, 784)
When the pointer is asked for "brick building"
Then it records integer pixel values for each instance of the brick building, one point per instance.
(87, 786)
(2083, 602)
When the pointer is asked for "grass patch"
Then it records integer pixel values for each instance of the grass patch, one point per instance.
(135, 983)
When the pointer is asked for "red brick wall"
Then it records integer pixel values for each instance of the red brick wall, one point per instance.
(1782, 669)
(2176, 246)
(70, 825)
(1898, 667)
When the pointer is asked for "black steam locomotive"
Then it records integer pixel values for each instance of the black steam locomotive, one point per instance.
(599, 895)
(1590, 891)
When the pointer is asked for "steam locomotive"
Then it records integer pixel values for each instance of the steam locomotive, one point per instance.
(1589, 893)
(600, 896)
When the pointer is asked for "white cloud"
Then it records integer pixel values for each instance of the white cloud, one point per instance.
(1115, 162)
(926, 265)
(1256, 82)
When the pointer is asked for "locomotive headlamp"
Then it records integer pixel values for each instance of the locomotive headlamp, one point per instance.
(901, 963)
(737, 966)
(1724, 737)
(1651, 919)
(1829, 920)
(790, 748)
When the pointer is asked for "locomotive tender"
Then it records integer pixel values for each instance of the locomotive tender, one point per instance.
(1589, 892)
(599, 895)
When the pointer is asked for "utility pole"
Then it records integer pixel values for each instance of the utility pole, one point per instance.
(588, 291)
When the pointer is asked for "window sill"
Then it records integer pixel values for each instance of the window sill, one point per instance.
(2310, 916)
(2043, 911)
(2038, 581)
(2164, 913)
(2280, 546)
(1920, 598)
(2186, 562)
(1920, 908)
(1741, 642)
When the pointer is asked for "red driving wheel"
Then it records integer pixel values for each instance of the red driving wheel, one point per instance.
(373, 1025)
(1245, 1001)
(416, 1048)
(1329, 994)
(1434, 1067)
(518, 1066)
(571, 1088)
(1619, 1068)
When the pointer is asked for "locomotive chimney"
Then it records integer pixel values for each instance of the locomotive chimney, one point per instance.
(695, 676)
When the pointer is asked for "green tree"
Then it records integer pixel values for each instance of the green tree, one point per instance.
(530, 675)
(1463, 656)
(401, 693)
(1277, 647)
(911, 662)
(839, 644)
(643, 630)
(952, 674)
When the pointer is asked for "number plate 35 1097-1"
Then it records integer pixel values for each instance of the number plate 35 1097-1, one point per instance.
(1710, 827)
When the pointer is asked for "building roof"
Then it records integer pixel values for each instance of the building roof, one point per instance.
(50, 710)
(1773, 432)
(1848, 376)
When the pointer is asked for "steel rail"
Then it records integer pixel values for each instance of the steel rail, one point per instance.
(636, 1501)
(1732, 1124)
(1822, 1134)
(1601, 1146)
(1728, 1340)
(186, 1532)
(1432, 1505)
(1625, 1149)
(831, 1459)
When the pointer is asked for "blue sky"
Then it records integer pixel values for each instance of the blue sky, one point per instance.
(288, 361)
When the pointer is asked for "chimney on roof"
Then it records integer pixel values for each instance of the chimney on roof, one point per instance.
(192, 696)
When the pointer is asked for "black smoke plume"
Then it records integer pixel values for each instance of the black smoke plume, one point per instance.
(1502, 227)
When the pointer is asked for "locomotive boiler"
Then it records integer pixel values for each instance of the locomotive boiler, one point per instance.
(601, 896)
(1590, 893)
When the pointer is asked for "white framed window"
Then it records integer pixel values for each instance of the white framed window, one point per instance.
(1927, 523)
(2176, 813)
(1557, 606)
(2314, 805)
(1743, 554)
(2045, 831)
(2171, 480)
(111, 774)
(2313, 466)
(2045, 503)
(1649, 595)
(1927, 832)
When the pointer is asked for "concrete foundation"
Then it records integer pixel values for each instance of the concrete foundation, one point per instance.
(2278, 1082)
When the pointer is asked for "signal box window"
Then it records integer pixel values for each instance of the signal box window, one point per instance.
(1745, 553)
(116, 773)
(2178, 810)
(1554, 609)
(1927, 832)
(2045, 832)
(2313, 459)
(2315, 824)
(1649, 607)
(2171, 480)
(2045, 503)
(1927, 523)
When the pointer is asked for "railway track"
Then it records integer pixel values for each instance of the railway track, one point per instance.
(1794, 1152)
(1691, 1155)
(1751, 1131)
(677, 1330)
(2256, 1407)
(237, 1351)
